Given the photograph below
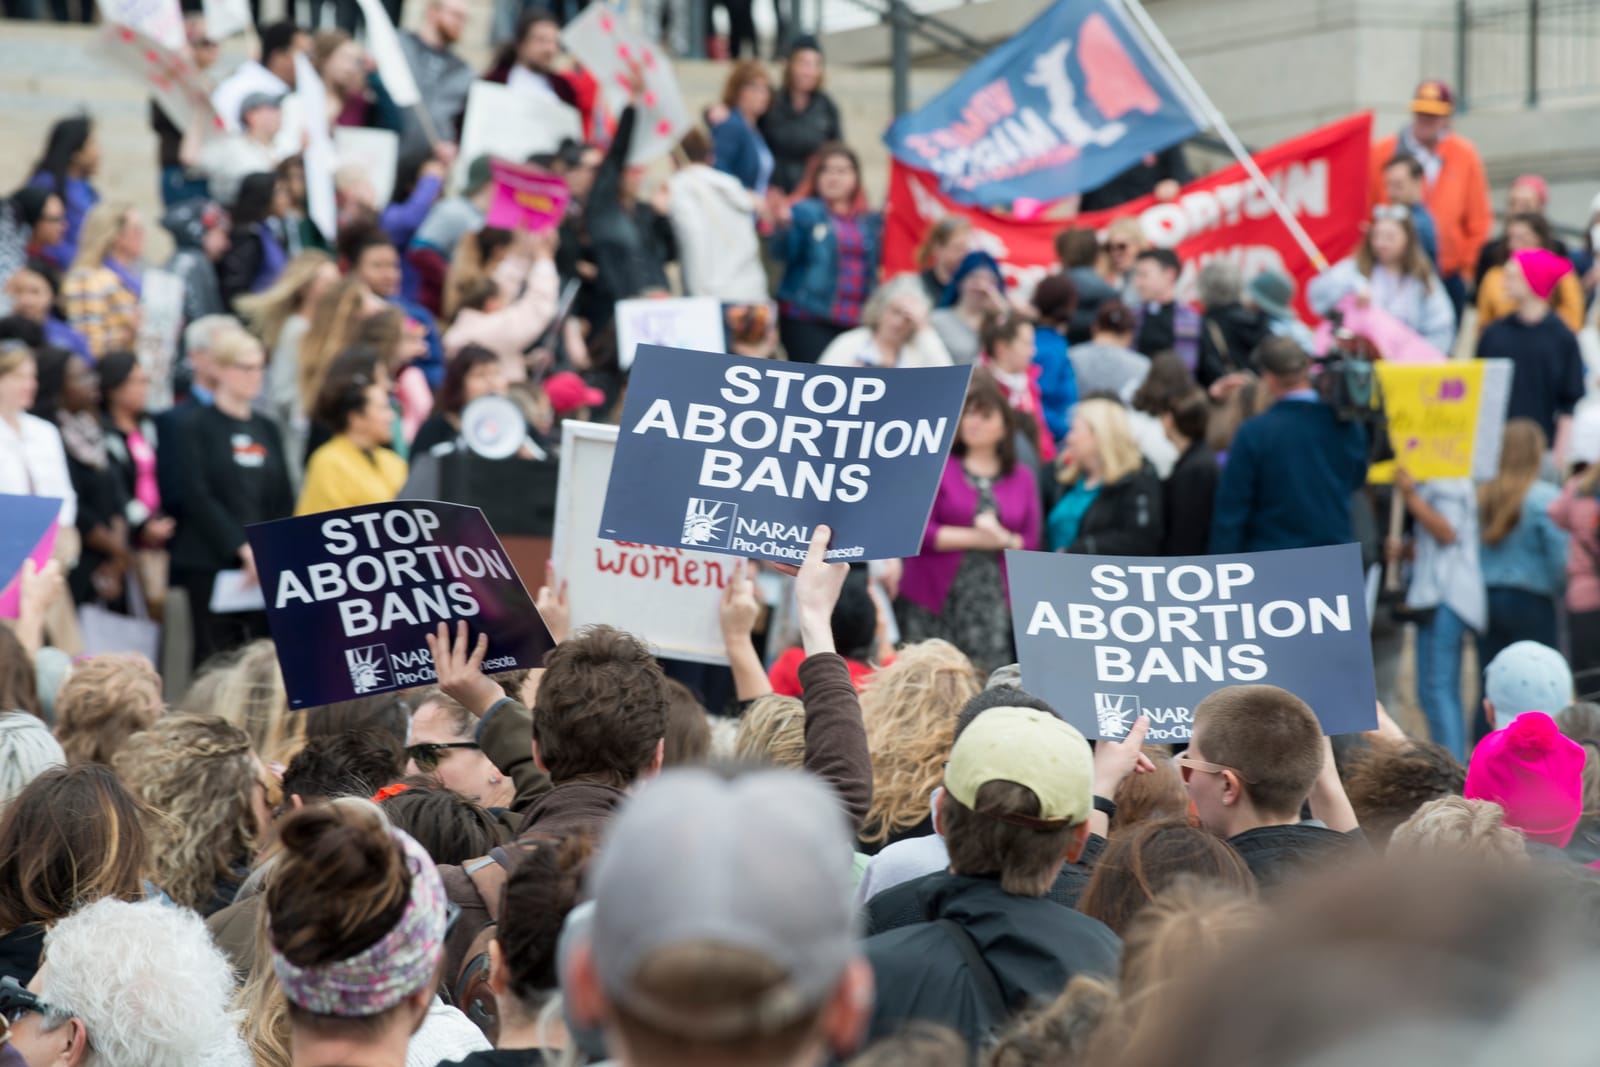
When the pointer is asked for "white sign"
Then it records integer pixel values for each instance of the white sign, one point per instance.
(384, 45)
(178, 86)
(667, 597)
(512, 125)
(376, 152)
(311, 100)
(160, 326)
(226, 18)
(693, 322)
(159, 20)
(611, 50)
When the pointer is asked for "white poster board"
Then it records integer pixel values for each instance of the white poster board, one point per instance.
(603, 41)
(159, 20)
(1491, 418)
(667, 597)
(311, 101)
(692, 322)
(383, 44)
(376, 152)
(511, 125)
(226, 18)
(160, 327)
(179, 87)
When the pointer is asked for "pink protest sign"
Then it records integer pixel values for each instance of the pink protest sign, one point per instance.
(1395, 341)
(526, 198)
(28, 532)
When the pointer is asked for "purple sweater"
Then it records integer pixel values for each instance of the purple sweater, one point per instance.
(927, 577)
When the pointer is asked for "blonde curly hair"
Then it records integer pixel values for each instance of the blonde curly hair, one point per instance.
(196, 776)
(105, 701)
(1455, 826)
(910, 709)
(773, 730)
(251, 695)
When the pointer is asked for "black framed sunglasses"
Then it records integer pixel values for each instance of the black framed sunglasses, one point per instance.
(426, 755)
(16, 1001)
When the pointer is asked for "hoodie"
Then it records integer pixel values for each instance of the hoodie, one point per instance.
(714, 222)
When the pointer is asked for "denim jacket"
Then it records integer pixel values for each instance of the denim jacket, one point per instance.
(1533, 556)
(809, 248)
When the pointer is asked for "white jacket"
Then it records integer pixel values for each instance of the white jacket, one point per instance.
(854, 348)
(715, 226)
(1426, 309)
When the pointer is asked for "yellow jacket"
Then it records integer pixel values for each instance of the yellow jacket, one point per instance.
(1494, 304)
(340, 475)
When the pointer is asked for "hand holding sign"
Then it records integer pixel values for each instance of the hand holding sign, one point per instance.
(459, 666)
(552, 604)
(816, 591)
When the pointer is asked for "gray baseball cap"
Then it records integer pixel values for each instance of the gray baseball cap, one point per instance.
(760, 861)
(1527, 676)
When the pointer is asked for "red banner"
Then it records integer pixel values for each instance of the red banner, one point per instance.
(1322, 175)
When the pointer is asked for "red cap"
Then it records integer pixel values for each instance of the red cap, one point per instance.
(568, 393)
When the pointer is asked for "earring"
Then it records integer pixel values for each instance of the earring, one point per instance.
(494, 779)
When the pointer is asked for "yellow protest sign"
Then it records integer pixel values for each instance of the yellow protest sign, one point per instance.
(1436, 422)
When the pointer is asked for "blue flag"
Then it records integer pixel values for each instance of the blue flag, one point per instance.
(1063, 107)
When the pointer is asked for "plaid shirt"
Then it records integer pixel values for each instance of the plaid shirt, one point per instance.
(851, 290)
(101, 309)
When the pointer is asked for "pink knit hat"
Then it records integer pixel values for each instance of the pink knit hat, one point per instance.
(1535, 774)
(1540, 187)
(1542, 268)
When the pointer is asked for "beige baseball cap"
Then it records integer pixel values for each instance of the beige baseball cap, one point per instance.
(1028, 748)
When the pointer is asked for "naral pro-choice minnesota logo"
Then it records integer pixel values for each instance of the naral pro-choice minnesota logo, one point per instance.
(1115, 713)
(709, 523)
(369, 668)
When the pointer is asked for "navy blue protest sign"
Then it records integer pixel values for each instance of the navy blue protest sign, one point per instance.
(1105, 639)
(1070, 102)
(352, 595)
(742, 456)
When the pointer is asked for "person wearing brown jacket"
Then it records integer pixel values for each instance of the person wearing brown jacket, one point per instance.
(597, 726)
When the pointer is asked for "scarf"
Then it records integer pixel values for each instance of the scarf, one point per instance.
(84, 438)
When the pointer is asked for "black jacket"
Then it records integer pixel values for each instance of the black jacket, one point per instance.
(1189, 493)
(1125, 519)
(1032, 946)
(628, 243)
(1140, 179)
(901, 905)
(231, 474)
(1228, 339)
(794, 136)
(1278, 854)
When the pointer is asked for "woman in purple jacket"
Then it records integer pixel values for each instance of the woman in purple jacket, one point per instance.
(987, 503)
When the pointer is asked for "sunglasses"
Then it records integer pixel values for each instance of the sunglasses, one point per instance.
(1392, 212)
(52, 218)
(1187, 765)
(426, 755)
(16, 1001)
(1119, 246)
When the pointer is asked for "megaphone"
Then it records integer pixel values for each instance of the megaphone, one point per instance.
(493, 427)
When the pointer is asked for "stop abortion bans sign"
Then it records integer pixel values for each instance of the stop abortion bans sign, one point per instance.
(352, 595)
(1105, 639)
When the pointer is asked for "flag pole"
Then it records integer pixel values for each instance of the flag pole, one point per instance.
(1208, 111)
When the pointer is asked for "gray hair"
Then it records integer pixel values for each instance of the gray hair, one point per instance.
(26, 751)
(1219, 284)
(901, 285)
(201, 334)
(148, 983)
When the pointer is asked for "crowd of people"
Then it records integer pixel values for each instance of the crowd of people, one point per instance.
(880, 849)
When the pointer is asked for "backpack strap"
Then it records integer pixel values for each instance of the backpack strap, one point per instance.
(994, 1001)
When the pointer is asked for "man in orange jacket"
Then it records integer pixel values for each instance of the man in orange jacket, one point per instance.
(1456, 190)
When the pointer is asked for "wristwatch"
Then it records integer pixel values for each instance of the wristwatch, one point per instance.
(1109, 807)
